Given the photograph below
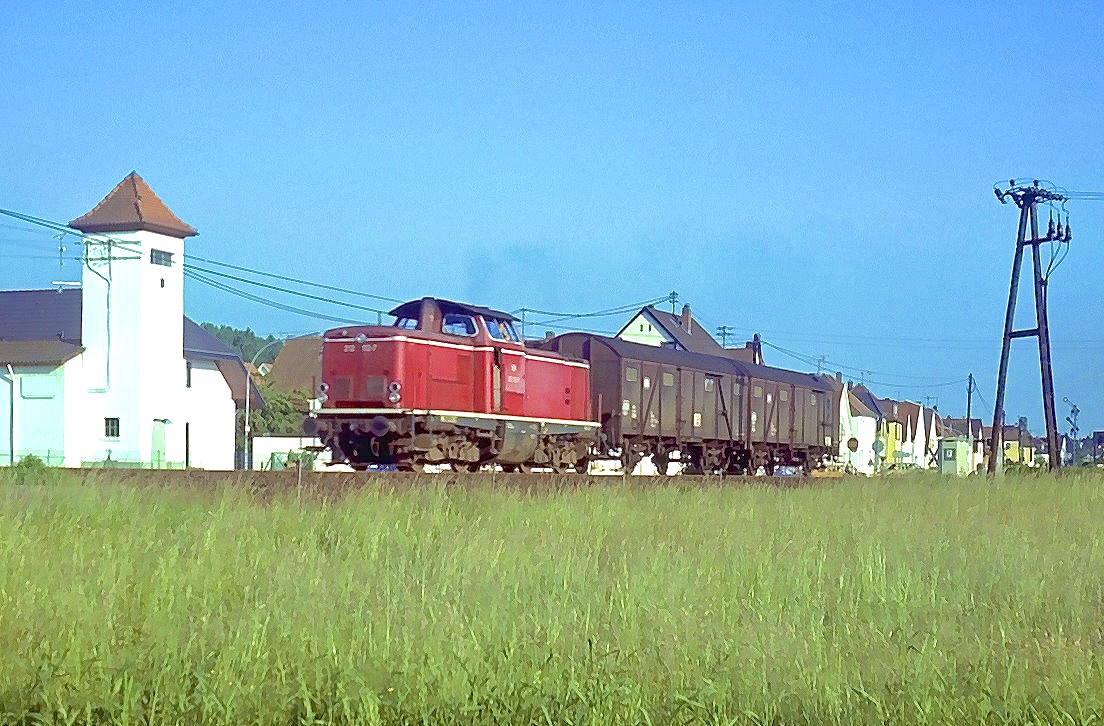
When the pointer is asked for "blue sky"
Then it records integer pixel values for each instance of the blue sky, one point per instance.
(819, 172)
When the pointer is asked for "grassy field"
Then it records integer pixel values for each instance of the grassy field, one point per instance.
(907, 600)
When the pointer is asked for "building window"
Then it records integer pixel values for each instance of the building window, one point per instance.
(160, 257)
(111, 428)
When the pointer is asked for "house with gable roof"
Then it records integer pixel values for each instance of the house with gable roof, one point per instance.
(652, 326)
(974, 430)
(858, 425)
(113, 373)
(907, 433)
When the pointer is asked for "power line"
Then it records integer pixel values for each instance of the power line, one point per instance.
(824, 361)
(198, 277)
(296, 280)
(286, 291)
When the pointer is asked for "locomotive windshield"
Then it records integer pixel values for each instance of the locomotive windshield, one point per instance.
(455, 324)
(502, 330)
(407, 323)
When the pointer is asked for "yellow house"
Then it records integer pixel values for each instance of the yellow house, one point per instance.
(1019, 446)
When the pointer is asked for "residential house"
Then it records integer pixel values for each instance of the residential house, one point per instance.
(298, 365)
(113, 373)
(858, 433)
(652, 326)
(975, 432)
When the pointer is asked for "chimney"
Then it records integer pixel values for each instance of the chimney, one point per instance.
(850, 385)
(684, 321)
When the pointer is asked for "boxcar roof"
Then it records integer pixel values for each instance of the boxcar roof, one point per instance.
(702, 361)
(413, 308)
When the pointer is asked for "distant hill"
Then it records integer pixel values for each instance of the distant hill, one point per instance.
(245, 342)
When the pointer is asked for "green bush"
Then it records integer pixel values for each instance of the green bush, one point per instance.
(32, 470)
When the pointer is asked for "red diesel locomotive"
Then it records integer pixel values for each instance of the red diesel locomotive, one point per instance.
(451, 383)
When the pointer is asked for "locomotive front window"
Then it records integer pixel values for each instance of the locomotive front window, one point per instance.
(502, 330)
(407, 323)
(458, 325)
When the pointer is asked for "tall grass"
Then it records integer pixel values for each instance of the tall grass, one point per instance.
(914, 600)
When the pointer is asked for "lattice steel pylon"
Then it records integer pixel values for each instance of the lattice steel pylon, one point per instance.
(1026, 198)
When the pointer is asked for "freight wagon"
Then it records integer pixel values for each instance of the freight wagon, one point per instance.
(714, 414)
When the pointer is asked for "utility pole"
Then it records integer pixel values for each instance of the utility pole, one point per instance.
(1026, 198)
(673, 299)
(820, 363)
(970, 421)
(723, 331)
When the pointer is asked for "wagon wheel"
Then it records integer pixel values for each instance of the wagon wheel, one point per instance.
(661, 461)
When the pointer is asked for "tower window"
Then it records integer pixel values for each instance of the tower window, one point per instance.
(111, 428)
(160, 257)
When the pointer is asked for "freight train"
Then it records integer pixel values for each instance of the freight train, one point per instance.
(454, 384)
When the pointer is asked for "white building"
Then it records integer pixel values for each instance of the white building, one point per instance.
(114, 374)
(858, 432)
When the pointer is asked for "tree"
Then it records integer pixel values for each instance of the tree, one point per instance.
(245, 342)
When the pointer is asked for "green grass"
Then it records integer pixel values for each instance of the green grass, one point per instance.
(910, 600)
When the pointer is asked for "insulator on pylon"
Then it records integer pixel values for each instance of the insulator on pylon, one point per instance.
(1069, 234)
(1059, 233)
(1050, 229)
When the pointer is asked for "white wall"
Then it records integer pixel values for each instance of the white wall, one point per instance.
(210, 414)
(133, 335)
(7, 394)
(641, 330)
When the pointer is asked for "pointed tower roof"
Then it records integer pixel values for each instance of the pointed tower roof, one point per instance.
(132, 206)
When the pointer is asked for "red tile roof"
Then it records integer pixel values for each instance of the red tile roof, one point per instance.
(130, 207)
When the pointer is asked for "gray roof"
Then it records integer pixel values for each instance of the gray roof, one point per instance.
(700, 361)
(50, 316)
(868, 399)
(41, 315)
(413, 309)
(695, 340)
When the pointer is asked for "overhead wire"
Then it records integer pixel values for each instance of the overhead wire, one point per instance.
(199, 277)
(287, 291)
(296, 280)
(824, 361)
